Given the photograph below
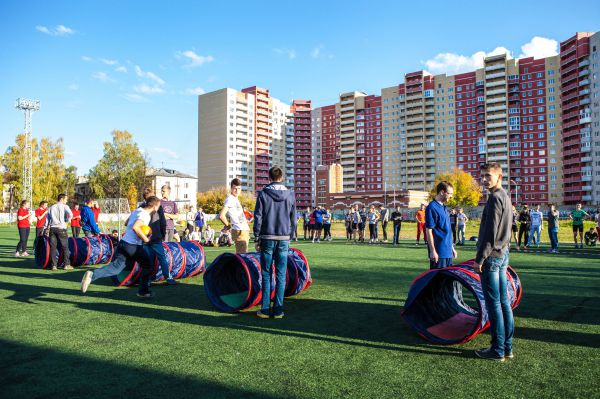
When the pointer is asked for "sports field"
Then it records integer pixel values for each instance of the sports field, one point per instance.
(343, 338)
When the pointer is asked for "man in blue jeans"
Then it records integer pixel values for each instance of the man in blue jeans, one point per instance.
(274, 222)
(492, 262)
(130, 248)
(158, 224)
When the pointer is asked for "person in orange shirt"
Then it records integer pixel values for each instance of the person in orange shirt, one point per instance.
(76, 221)
(420, 217)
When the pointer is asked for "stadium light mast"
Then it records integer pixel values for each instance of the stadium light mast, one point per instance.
(28, 107)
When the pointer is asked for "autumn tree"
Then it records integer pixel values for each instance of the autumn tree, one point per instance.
(50, 177)
(467, 191)
(212, 200)
(123, 165)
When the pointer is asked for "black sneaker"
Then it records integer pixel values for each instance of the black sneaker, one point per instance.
(509, 355)
(487, 354)
(171, 281)
(145, 295)
(278, 315)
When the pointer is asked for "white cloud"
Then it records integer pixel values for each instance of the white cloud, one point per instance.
(59, 30)
(452, 63)
(103, 77)
(196, 91)
(290, 53)
(539, 47)
(147, 89)
(86, 58)
(166, 151)
(195, 59)
(109, 62)
(149, 75)
(316, 52)
(73, 87)
(121, 69)
(135, 98)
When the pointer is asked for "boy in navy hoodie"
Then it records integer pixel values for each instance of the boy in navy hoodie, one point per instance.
(274, 222)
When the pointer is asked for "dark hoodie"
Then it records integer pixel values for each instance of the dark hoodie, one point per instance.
(275, 213)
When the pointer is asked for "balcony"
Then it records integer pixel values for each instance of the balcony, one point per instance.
(584, 63)
(584, 92)
(584, 82)
(496, 116)
(584, 72)
(497, 91)
(496, 100)
(496, 124)
(496, 133)
(497, 108)
(495, 67)
(494, 76)
(585, 119)
(585, 101)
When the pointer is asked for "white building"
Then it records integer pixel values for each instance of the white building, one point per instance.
(183, 186)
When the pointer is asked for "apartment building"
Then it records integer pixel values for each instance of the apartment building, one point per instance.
(594, 96)
(242, 134)
(303, 152)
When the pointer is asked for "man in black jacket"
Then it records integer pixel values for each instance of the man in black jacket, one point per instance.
(274, 221)
(524, 223)
(158, 225)
(397, 220)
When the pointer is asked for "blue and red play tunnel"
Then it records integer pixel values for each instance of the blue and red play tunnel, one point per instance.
(95, 250)
(446, 306)
(233, 282)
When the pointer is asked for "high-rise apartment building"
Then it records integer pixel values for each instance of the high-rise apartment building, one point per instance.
(538, 118)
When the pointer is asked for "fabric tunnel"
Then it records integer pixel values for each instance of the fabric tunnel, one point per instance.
(82, 251)
(186, 259)
(233, 282)
(447, 306)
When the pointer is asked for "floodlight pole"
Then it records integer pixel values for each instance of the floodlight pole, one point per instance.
(28, 107)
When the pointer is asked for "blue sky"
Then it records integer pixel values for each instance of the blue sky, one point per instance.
(137, 65)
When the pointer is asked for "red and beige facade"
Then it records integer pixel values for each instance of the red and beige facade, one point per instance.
(538, 118)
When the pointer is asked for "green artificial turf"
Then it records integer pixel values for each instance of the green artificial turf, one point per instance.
(343, 338)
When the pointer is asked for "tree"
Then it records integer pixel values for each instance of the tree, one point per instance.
(212, 200)
(132, 194)
(467, 191)
(49, 175)
(121, 166)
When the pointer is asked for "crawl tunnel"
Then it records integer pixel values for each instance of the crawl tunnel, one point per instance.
(233, 282)
(82, 251)
(446, 306)
(186, 259)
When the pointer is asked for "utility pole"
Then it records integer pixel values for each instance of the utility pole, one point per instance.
(28, 107)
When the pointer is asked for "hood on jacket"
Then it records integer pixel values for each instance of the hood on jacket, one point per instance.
(278, 192)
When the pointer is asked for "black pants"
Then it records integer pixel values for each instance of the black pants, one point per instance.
(61, 237)
(397, 228)
(125, 253)
(38, 233)
(372, 231)
(75, 231)
(88, 233)
(326, 231)
(23, 237)
(523, 228)
(384, 229)
(453, 228)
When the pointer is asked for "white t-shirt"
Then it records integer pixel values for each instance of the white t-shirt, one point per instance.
(130, 236)
(461, 217)
(236, 213)
(536, 218)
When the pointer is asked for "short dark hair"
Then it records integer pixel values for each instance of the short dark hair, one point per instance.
(495, 166)
(235, 182)
(152, 201)
(89, 200)
(61, 196)
(24, 202)
(443, 186)
(275, 173)
(43, 202)
(148, 192)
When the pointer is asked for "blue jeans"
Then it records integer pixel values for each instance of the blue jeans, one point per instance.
(494, 284)
(535, 230)
(158, 250)
(273, 251)
(124, 252)
(397, 228)
(461, 234)
(553, 233)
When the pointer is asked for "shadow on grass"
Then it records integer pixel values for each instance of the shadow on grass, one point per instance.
(33, 372)
(559, 337)
(360, 324)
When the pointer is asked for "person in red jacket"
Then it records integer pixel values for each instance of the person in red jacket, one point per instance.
(40, 214)
(75, 221)
(96, 210)
(23, 215)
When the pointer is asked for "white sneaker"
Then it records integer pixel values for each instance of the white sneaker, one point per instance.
(86, 281)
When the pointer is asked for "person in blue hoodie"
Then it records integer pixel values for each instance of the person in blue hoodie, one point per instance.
(88, 221)
(274, 222)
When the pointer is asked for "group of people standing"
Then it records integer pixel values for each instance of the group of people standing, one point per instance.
(528, 224)
(53, 222)
(314, 222)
